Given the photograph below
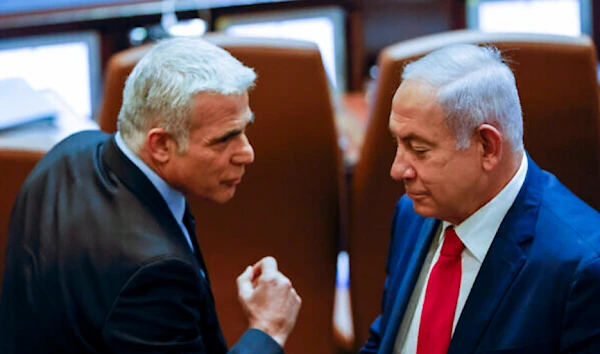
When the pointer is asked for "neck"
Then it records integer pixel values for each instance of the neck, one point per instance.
(150, 162)
(508, 169)
(502, 175)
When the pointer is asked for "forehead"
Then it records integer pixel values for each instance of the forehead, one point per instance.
(415, 97)
(414, 101)
(209, 109)
(416, 111)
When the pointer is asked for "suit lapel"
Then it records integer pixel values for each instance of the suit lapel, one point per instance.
(190, 224)
(404, 285)
(135, 180)
(501, 266)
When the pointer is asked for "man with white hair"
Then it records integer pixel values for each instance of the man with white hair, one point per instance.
(489, 254)
(102, 254)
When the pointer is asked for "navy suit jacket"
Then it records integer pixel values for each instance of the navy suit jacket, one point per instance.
(538, 289)
(96, 263)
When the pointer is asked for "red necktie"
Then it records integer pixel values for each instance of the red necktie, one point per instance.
(441, 296)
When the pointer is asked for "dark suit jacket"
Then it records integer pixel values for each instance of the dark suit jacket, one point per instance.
(96, 263)
(538, 290)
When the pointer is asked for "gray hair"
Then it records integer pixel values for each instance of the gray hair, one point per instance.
(474, 86)
(159, 91)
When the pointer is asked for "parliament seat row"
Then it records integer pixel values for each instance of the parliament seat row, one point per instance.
(295, 202)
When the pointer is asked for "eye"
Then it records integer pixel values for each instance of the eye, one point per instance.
(419, 150)
(227, 137)
(224, 139)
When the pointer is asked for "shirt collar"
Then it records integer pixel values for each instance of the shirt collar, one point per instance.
(175, 199)
(478, 230)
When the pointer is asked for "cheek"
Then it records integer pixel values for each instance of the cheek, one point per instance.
(443, 181)
(218, 165)
(431, 174)
(200, 163)
(464, 177)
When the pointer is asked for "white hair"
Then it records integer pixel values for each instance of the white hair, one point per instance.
(474, 86)
(159, 90)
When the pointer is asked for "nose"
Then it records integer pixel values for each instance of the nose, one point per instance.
(401, 169)
(245, 154)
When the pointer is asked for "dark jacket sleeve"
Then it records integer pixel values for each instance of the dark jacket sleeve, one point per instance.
(159, 311)
(581, 325)
(255, 341)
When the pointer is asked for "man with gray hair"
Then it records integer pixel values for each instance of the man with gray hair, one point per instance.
(489, 254)
(102, 254)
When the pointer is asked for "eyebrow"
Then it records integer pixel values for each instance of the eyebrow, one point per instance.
(413, 137)
(233, 132)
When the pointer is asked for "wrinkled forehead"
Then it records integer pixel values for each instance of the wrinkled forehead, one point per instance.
(208, 107)
(416, 97)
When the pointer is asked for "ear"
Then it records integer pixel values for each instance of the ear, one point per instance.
(160, 145)
(491, 144)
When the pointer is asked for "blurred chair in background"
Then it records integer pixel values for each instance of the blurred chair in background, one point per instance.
(556, 79)
(288, 205)
(16, 165)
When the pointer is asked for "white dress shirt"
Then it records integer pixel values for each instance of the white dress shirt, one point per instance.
(175, 199)
(476, 233)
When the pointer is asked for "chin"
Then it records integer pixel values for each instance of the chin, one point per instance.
(428, 211)
(424, 210)
(224, 196)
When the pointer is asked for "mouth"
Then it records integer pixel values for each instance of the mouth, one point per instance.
(416, 195)
(232, 182)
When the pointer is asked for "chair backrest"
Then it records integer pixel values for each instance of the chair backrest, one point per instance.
(15, 166)
(556, 79)
(288, 204)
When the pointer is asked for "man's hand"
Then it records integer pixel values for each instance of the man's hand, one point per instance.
(270, 302)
